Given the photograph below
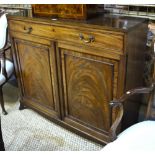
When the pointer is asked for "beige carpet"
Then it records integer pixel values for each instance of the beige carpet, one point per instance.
(26, 130)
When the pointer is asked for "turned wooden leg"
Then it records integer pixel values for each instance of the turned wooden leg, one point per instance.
(2, 102)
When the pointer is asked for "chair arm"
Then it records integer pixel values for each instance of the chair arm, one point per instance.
(6, 47)
(119, 105)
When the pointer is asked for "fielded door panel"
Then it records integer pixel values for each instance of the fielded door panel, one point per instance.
(89, 84)
(38, 78)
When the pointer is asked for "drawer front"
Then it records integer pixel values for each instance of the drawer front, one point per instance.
(91, 38)
(82, 36)
(32, 28)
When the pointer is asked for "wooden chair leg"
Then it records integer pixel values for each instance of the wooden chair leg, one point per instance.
(2, 148)
(2, 102)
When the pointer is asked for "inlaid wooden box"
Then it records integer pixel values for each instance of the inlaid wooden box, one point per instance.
(72, 11)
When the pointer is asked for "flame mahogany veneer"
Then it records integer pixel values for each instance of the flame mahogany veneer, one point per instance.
(69, 71)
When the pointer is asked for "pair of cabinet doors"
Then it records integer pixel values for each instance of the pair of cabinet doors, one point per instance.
(66, 83)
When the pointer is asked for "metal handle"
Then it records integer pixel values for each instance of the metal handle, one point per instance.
(88, 40)
(27, 29)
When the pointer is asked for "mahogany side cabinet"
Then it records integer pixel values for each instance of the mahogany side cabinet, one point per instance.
(70, 70)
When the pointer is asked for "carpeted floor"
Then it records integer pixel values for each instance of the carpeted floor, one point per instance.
(26, 130)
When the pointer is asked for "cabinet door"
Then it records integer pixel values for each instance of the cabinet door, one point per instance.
(36, 71)
(89, 84)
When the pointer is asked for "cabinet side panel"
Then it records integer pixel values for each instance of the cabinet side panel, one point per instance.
(135, 49)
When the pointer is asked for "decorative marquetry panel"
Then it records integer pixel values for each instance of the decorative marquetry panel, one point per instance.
(36, 69)
(75, 11)
(85, 77)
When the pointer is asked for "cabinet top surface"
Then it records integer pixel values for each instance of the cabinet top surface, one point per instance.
(104, 21)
